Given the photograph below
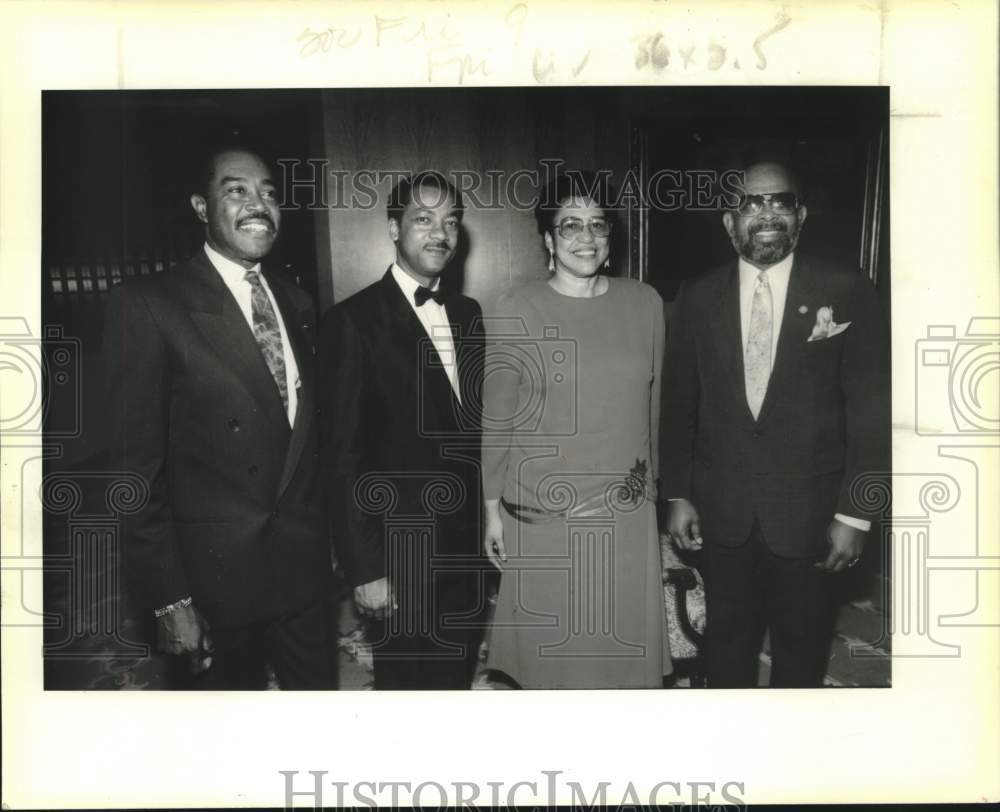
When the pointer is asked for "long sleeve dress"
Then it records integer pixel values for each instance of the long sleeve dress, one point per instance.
(571, 412)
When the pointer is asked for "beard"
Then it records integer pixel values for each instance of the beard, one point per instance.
(769, 252)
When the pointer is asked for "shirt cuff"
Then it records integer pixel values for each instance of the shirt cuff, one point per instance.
(860, 524)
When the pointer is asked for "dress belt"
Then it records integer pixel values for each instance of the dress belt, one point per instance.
(589, 508)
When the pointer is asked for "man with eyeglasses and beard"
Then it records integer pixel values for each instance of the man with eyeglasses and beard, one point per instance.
(775, 400)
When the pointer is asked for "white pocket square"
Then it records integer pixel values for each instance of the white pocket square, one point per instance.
(835, 329)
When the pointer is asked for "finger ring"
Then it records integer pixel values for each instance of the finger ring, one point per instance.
(852, 563)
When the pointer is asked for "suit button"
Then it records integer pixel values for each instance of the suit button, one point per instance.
(252, 470)
(757, 433)
(275, 515)
(234, 424)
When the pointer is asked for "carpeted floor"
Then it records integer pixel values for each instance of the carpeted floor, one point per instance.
(97, 642)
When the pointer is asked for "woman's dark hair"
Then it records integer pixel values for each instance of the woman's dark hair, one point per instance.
(571, 184)
(402, 193)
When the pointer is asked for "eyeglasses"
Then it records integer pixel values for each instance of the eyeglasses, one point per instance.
(780, 203)
(573, 227)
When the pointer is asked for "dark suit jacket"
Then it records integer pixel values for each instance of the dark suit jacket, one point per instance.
(233, 517)
(398, 449)
(825, 419)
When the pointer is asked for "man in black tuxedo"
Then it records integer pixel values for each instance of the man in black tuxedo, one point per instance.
(400, 411)
(212, 401)
(776, 398)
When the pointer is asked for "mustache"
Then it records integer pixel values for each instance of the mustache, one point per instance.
(774, 225)
(250, 218)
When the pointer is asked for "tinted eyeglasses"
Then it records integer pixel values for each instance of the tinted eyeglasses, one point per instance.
(780, 203)
(573, 227)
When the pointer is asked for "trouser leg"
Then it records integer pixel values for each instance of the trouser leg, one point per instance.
(800, 621)
(301, 649)
(734, 615)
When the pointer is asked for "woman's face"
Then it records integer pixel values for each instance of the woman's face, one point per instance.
(580, 240)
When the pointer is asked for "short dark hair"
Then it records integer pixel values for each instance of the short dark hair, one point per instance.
(205, 166)
(569, 184)
(402, 193)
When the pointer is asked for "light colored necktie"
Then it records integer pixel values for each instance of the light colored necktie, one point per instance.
(268, 334)
(757, 358)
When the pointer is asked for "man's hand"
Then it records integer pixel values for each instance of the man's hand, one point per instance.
(846, 544)
(375, 599)
(683, 526)
(185, 632)
(493, 535)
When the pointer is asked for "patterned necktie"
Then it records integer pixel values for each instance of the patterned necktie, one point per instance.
(757, 358)
(268, 334)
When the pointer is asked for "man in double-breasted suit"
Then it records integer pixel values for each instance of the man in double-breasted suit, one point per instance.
(212, 401)
(776, 399)
(400, 410)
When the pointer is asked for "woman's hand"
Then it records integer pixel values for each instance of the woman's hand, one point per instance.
(493, 535)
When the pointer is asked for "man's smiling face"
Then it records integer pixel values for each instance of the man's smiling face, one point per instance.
(239, 208)
(427, 233)
(767, 237)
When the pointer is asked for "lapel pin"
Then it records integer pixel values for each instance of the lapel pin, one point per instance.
(803, 309)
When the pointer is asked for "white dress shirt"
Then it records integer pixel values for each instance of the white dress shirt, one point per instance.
(777, 277)
(434, 318)
(234, 275)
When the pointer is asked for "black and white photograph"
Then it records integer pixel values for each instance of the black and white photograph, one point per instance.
(444, 389)
(508, 404)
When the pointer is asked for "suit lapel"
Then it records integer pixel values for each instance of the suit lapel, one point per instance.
(795, 329)
(465, 354)
(725, 325)
(297, 323)
(415, 346)
(217, 316)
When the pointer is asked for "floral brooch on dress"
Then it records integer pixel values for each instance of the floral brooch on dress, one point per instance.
(635, 483)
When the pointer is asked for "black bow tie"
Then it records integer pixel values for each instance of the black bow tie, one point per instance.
(422, 294)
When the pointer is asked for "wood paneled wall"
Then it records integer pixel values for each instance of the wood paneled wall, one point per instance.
(505, 129)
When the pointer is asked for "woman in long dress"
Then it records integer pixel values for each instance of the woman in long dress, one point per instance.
(571, 412)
